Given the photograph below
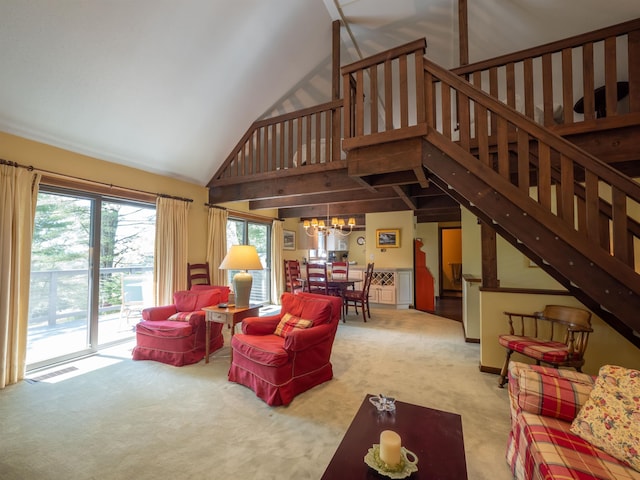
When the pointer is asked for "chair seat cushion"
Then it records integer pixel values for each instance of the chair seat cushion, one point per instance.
(262, 349)
(353, 294)
(165, 328)
(546, 351)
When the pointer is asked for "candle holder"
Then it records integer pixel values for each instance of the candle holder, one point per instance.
(383, 403)
(408, 463)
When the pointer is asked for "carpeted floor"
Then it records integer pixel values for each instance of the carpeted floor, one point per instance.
(112, 418)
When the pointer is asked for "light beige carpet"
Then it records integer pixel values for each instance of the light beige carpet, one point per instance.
(112, 418)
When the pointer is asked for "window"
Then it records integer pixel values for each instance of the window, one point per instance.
(91, 273)
(249, 232)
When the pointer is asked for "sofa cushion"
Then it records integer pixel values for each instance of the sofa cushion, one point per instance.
(317, 310)
(290, 322)
(265, 350)
(544, 391)
(164, 328)
(610, 419)
(544, 448)
(191, 300)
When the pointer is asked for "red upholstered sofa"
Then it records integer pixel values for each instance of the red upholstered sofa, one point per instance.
(544, 402)
(277, 368)
(175, 334)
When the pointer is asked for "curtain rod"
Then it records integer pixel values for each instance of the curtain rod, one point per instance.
(110, 185)
(247, 214)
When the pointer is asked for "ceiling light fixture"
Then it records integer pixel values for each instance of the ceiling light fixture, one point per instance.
(337, 226)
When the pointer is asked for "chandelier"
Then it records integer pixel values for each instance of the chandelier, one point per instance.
(337, 226)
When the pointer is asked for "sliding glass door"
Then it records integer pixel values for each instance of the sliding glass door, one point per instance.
(91, 273)
(245, 232)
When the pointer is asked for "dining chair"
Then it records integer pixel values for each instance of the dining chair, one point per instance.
(317, 281)
(198, 274)
(340, 270)
(292, 276)
(361, 297)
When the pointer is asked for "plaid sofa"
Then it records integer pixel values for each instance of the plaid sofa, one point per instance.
(543, 402)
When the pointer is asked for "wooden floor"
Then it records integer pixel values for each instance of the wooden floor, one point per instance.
(449, 307)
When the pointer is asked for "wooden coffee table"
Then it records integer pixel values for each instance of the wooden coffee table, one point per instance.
(433, 435)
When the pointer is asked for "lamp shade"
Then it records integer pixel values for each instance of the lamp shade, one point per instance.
(242, 257)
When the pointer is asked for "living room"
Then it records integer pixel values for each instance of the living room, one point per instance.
(442, 364)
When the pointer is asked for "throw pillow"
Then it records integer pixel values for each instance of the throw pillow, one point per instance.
(610, 419)
(182, 316)
(289, 322)
(552, 395)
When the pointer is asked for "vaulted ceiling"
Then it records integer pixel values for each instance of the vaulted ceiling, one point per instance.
(170, 86)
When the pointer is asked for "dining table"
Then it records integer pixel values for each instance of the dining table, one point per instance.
(340, 284)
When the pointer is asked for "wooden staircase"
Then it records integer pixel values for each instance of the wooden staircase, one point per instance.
(568, 211)
(474, 133)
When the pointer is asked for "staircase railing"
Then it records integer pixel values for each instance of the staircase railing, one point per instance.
(384, 97)
(286, 143)
(592, 69)
(584, 194)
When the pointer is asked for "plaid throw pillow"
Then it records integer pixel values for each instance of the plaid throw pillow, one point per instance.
(289, 322)
(552, 395)
(182, 316)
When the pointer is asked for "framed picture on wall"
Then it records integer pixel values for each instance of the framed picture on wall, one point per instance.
(387, 238)
(289, 240)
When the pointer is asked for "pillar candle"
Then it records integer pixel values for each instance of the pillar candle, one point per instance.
(390, 448)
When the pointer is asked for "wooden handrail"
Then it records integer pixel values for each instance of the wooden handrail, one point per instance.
(551, 47)
(596, 95)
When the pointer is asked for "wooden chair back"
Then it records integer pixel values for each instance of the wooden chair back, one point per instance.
(368, 276)
(198, 274)
(317, 281)
(340, 270)
(292, 274)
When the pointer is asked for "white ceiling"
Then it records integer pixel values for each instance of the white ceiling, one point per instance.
(170, 86)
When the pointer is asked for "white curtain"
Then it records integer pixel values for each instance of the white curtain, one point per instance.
(170, 258)
(18, 196)
(277, 263)
(217, 244)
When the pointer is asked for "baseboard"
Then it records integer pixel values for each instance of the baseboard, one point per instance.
(472, 340)
(494, 370)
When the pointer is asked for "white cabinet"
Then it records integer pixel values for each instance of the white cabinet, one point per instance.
(392, 287)
(383, 288)
(337, 242)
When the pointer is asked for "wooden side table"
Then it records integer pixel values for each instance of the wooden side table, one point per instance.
(230, 316)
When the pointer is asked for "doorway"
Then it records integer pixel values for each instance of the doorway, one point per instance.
(450, 262)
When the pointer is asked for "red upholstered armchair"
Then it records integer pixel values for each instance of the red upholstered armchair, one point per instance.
(278, 365)
(175, 334)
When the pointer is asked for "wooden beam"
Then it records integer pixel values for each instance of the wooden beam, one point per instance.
(385, 158)
(396, 205)
(321, 198)
(404, 196)
(332, 181)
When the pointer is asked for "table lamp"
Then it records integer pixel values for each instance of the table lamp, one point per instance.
(242, 257)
